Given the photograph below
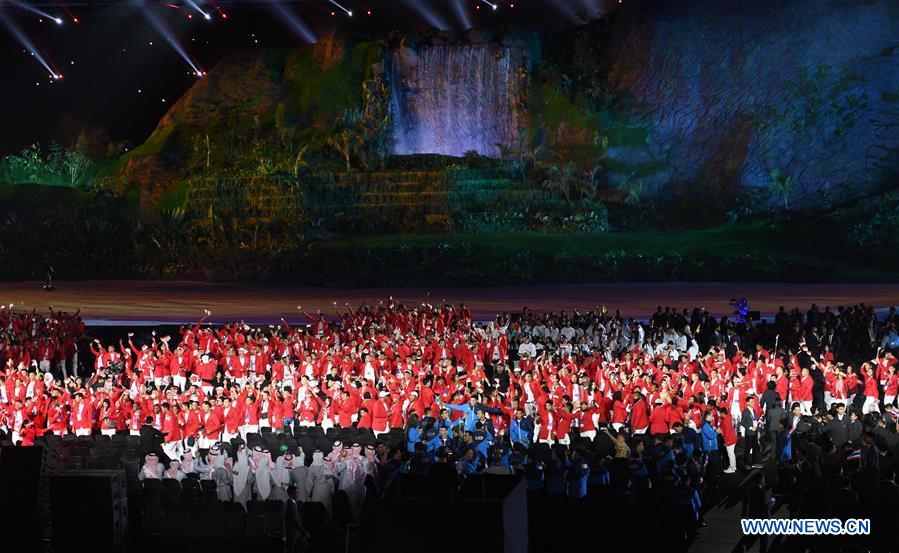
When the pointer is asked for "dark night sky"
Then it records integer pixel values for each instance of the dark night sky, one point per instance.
(117, 82)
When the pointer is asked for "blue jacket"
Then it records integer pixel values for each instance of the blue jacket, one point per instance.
(534, 473)
(468, 414)
(555, 480)
(690, 438)
(436, 443)
(520, 432)
(784, 446)
(601, 477)
(709, 438)
(503, 461)
(467, 468)
(662, 461)
(413, 438)
(482, 440)
(576, 476)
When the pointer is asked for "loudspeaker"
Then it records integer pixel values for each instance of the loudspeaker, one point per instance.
(498, 503)
(89, 506)
(24, 486)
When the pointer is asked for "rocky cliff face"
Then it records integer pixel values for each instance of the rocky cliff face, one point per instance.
(800, 94)
(247, 117)
(457, 97)
(244, 89)
(735, 92)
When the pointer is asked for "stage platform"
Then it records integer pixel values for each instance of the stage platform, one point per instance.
(156, 302)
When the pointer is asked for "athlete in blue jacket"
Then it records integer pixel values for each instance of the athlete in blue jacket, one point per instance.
(521, 429)
(709, 437)
(469, 415)
(576, 475)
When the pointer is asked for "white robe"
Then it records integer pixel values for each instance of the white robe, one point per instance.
(352, 481)
(281, 479)
(299, 478)
(319, 485)
(242, 479)
(147, 471)
(222, 477)
(263, 484)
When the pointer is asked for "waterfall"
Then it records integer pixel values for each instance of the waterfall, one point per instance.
(451, 99)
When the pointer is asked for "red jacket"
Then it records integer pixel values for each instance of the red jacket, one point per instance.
(563, 423)
(728, 432)
(81, 415)
(871, 387)
(211, 424)
(378, 409)
(805, 388)
(232, 419)
(639, 416)
(191, 424)
(307, 409)
(171, 426)
(658, 420)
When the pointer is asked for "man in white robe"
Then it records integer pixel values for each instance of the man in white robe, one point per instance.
(281, 476)
(242, 479)
(151, 468)
(263, 474)
(298, 475)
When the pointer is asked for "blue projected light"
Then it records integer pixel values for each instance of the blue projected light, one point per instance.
(741, 309)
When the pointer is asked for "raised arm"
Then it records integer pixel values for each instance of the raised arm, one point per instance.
(452, 407)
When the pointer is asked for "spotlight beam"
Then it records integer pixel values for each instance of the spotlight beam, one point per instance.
(294, 22)
(194, 5)
(348, 12)
(493, 6)
(565, 8)
(36, 11)
(170, 37)
(29, 46)
(462, 12)
(433, 17)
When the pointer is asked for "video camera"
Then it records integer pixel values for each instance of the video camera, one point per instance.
(115, 367)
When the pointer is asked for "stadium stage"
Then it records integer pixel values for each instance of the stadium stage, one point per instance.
(110, 302)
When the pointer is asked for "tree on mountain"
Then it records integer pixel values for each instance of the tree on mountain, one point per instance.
(781, 186)
(76, 164)
(344, 142)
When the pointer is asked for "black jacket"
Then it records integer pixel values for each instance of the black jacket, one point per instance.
(837, 431)
(769, 397)
(773, 417)
(293, 519)
(855, 431)
(748, 420)
(150, 440)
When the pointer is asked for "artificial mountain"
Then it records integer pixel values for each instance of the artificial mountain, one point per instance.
(798, 97)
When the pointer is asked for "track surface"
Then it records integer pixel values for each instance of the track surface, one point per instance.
(111, 302)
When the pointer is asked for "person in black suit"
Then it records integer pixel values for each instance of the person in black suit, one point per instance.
(749, 423)
(795, 422)
(756, 504)
(151, 440)
(855, 428)
(836, 430)
(773, 417)
(870, 463)
(296, 538)
(770, 396)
